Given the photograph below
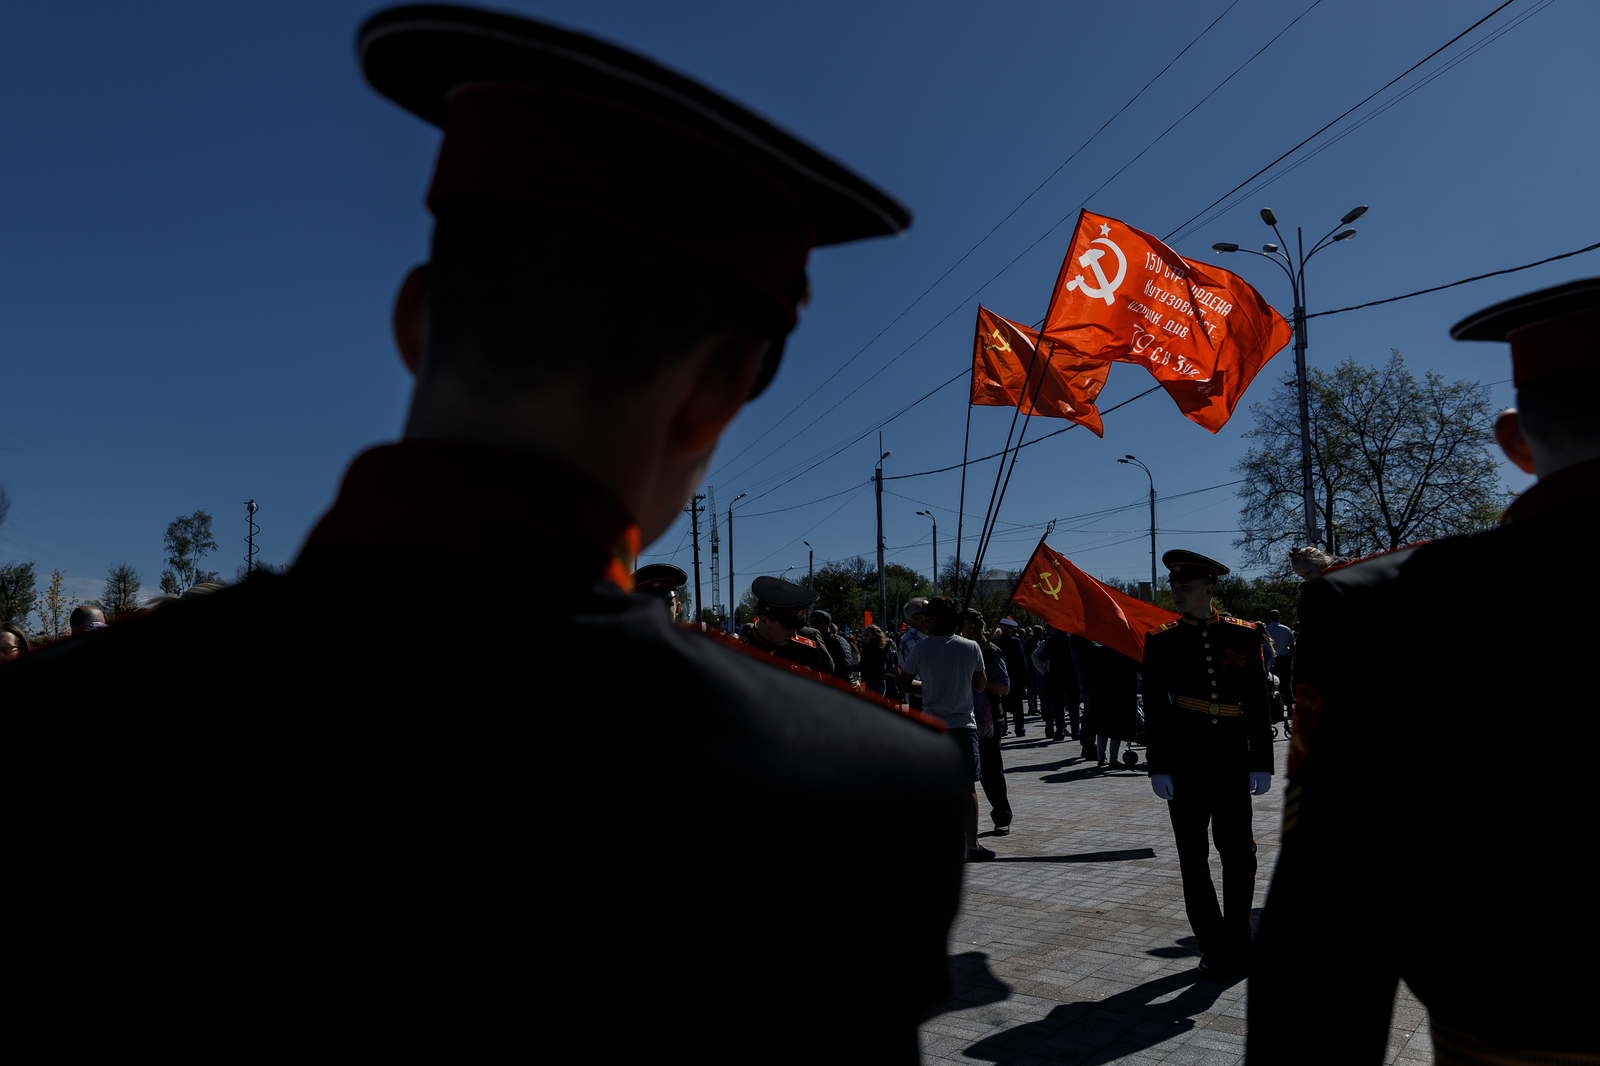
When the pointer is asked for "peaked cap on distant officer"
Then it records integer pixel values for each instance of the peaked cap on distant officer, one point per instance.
(782, 601)
(1187, 566)
(659, 579)
(558, 122)
(1551, 331)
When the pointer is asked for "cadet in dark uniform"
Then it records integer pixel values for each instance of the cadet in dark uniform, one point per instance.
(1461, 874)
(781, 611)
(336, 835)
(1209, 743)
(661, 580)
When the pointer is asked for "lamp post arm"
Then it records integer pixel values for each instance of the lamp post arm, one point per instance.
(1293, 285)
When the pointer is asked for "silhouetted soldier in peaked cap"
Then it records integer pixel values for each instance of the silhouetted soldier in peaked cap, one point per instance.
(340, 839)
(662, 581)
(1445, 865)
(1209, 742)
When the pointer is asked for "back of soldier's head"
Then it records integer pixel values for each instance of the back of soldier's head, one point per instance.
(1558, 412)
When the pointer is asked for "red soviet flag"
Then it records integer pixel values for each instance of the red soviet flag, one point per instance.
(1064, 384)
(1123, 295)
(1074, 602)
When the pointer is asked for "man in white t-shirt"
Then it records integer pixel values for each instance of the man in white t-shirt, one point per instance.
(917, 621)
(951, 670)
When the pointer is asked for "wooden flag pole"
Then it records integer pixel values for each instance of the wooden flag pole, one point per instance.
(983, 545)
(966, 598)
(961, 507)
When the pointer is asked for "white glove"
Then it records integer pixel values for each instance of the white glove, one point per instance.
(1260, 783)
(1161, 785)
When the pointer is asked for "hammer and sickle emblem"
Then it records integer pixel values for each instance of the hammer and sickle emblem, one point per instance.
(1091, 260)
(1055, 592)
(1000, 345)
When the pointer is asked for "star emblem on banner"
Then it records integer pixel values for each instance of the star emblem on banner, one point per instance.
(1105, 229)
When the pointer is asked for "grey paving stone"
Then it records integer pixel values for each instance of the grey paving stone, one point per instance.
(1080, 921)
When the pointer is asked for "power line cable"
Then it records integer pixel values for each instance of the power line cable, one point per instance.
(1453, 284)
(994, 229)
(1341, 118)
(1396, 99)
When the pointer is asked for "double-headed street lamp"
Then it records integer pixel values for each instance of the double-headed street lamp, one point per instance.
(1297, 282)
(1125, 460)
(935, 521)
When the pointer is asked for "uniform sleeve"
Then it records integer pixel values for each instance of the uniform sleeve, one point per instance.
(1002, 673)
(1326, 957)
(1257, 716)
(1157, 706)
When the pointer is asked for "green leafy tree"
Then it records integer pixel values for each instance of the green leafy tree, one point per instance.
(1395, 459)
(121, 592)
(18, 592)
(56, 609)
(188, 541)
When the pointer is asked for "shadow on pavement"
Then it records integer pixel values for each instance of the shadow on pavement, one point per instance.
(1103, 1030)
(973, 984)
(1082, 773)
(1187, 947)
(1087, 856)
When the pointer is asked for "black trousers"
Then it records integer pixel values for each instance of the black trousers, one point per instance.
(994, 780)
(1012, 702)
(1222, 803)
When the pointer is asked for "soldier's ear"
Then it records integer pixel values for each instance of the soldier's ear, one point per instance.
(1508, 431)
(723, 384)
(406, 322)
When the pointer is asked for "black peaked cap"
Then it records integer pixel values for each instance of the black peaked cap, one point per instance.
(1497, 323)
(418, 55)
(781, 594)
(1183, 563)
(661, 579)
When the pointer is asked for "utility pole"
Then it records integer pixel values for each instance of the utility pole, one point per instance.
(935, 521)
(1297, 284)
(877, 478)
(716, 560)
(694, 527)
(810, 555)
(733, 590)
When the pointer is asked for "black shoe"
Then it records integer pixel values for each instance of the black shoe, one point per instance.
(979, 854)
(1002, 830)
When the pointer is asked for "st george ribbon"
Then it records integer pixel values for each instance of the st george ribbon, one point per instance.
(1008, 371)
(1124, 296)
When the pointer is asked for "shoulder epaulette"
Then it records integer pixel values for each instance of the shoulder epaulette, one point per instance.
(807, 641)
(1165, 626)
(1238, 621)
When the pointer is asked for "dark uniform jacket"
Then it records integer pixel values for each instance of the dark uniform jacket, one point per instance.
(805, 649)
(1109, 681)
(337, 809)
(1416, 844)
(1205, 699)
(1017, 665)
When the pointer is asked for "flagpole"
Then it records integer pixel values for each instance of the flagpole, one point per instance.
(1049, 529)
(961, 507)
(966, 598)
(983, 545)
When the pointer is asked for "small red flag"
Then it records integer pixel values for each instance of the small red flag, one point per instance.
(1064, 383)
(1074, 602)
(866, 618)
(1192, 325)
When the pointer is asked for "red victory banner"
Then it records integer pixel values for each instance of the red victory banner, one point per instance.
(1060, 385)
(1204, 332)
(1074, 602)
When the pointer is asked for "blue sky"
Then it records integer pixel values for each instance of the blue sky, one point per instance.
(205, 213)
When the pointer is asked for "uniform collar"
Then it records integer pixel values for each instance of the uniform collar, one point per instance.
(1570, 489)
(445, 497)
(1215, 617)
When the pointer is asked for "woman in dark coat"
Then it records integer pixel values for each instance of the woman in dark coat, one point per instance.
(1110, 683)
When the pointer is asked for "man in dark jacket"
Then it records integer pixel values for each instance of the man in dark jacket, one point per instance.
(1415, 867)
(1017, 666)
(335, 835)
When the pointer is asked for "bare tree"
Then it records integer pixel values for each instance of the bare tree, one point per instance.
(1395, 459)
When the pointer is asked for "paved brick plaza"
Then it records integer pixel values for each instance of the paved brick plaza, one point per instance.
(1072, 945)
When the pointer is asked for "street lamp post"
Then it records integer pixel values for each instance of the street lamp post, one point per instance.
(810, 558)
(733, 611)
(1297, 284)
(935, 521)
(1126, 460)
